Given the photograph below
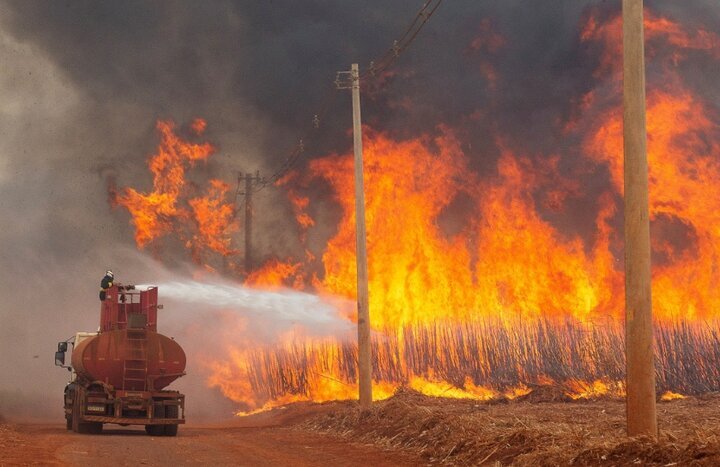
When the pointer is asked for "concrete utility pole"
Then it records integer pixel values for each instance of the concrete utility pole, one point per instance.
(364, 350)
(641, 415)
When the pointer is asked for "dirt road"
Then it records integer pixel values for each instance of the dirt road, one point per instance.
(542, 428)
(24, 444)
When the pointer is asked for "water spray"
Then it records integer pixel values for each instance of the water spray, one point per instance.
(274, 305)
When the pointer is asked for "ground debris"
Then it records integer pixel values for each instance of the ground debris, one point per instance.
(523, 432)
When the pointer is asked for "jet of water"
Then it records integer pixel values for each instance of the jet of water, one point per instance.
(276, 305)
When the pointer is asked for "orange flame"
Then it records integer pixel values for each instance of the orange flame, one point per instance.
(203, 223)
(276, 274)
(214, 218)
(298, 201)
(506, 262)
(683, 152)
(469, 277)
(595, 389)
(671, 396)
(661, 35)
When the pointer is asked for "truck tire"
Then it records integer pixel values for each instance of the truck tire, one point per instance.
(171, 411)
(75, 416)
(68, 404)
(156, 430)
(75, 423)
(89, 428)
(94, 428)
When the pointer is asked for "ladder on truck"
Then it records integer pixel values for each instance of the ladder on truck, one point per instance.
(136, 365)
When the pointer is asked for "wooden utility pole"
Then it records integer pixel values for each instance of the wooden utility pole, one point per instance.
(641, 415)
(250, 180)
(248, 222)
(364, 350)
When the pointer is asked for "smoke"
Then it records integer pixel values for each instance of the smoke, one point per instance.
(257, 72)
(83, 83)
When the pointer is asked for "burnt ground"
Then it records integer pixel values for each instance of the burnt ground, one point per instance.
(408, 429)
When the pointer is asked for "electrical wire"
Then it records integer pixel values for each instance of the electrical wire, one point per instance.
(372, 73)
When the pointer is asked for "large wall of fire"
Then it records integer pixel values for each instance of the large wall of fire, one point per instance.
(507, 298)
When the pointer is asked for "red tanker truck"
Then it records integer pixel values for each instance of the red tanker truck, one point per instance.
(120, 372)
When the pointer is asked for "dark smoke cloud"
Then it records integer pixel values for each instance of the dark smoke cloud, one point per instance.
(83, 83)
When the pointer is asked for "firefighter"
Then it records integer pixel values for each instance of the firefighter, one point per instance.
(106, 283)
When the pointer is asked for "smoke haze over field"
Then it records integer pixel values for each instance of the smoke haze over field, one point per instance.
(83, 83)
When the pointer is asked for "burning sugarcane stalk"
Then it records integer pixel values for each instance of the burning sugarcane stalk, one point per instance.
(483, 359)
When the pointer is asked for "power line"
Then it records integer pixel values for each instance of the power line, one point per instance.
(292, 159)
(373, 71)
(400, 45)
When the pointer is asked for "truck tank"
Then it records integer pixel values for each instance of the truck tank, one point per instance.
(130, 359)
(128, 353)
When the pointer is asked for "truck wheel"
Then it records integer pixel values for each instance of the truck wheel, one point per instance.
(93, 428)
(154, 430)
(90, 428)
(82, 427)
(171, 411)
(68, 404)
(75, 416)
